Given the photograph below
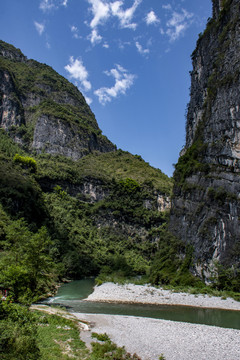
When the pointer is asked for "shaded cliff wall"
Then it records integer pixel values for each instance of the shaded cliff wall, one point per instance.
(205, 205)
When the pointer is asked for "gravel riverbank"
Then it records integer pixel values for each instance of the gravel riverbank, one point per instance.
(150, 338)
(145, 294)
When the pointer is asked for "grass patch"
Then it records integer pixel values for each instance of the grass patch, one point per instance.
(58, 338)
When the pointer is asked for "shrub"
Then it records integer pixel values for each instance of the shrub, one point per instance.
(26, 161)
(18, 333)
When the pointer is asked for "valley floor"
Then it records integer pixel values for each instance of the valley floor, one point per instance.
(150, 338)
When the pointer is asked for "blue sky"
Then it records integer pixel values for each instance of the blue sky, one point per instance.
(130, 59)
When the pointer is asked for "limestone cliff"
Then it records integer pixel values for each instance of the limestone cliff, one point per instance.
(205, 205)
(42, 111)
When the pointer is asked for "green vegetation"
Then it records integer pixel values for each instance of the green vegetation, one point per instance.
(227, 279)
(18, 333)
(107, 167)
(169, 267)
(20, 194)
(191, 162)
(75, 234)
(37, 335)
(25, 263)
(26, 161)
(108, 350)
(58, 338)
(214, 25)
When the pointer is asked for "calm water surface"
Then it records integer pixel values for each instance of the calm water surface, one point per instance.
(71, 296)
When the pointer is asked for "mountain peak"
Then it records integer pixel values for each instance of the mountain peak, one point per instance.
(43, 111)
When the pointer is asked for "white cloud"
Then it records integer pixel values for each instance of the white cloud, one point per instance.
(78, 72)
(151, 18)
(88, 100)
(123, 44)
(46, 5)
(178, 23)
(162, 32)
(140, 49)
(123, 81)
(101, 12)
(167, 7)
(125, 16)
(39, 27)
(105, 45)
(74, 30)
(94, 37)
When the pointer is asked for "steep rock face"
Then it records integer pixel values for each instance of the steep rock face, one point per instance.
(205, 206)
(55, 136)
(43, 111)
(10, 110)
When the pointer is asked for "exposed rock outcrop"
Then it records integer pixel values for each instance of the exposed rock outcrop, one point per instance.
(43, 111)
(205, 206)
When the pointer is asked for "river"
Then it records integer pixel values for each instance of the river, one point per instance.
(72, 295)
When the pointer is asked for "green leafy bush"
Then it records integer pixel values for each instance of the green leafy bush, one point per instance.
(26, 161)
(18, 333)
(20, 194)
(25, 264)
(172, 262)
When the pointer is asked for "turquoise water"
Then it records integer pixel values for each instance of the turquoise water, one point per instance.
(74, 290)
(71, 296)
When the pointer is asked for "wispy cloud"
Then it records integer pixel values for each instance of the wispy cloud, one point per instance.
(39, 27)
(75, 32)
(101, 12)
(151, 18)
(77, 71)
(141, 50)
(123, 81)
(178, 23)
(123, 44)
(125, 16)
(167, 7)
(46, 5)
(94, 37)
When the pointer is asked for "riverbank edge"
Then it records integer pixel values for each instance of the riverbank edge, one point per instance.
(160, 304)
(145, 294)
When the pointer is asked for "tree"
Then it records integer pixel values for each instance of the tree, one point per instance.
(25, 263)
